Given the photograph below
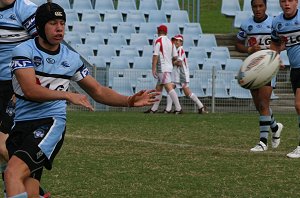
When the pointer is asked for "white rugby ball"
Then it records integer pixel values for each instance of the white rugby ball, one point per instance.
(258, 69)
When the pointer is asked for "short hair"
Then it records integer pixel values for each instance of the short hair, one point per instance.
(265, 2)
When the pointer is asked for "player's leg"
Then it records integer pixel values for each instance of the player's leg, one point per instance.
(155, 106)
(187, 92)
(261, 100)
(168, 108)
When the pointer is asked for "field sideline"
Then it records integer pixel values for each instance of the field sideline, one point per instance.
(131, 154)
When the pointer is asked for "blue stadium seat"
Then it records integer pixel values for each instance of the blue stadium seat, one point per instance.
(116, 39)
(189, 41)
(102, 5)
(125, 29)
(104, 28)
(180, 17)
(221, 54)
(113, 16)
(125, 5)
(145, 83)
(150, 29)
(119, 62)
(284, 58)
(147, 51)
(135, 17)
(197, 52)
(107, 51)
(97, 61)
(209, 63)
(64, 4)
(72, 38)
(221, 90)
(90, 16)
(122, 85)
(82, 5)
(147, 5)
(157, 16)
(194, 63)
(233, 64)
(84, 50)
(230, 7)
(196, 88)
(208, 41)
(203, 76)
(240, 17)
(236, 91)
(169, 5)
(81, 27)
(192, 29)
(94, 39)
(173, 29)
(129, 51)
(139, 40)
(142, 62)
(247, 5)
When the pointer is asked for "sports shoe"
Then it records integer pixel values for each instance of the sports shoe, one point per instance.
(202, 110)
(259, 147)
(165, 111)
(178, 112)
(276, 136)
(295, 153)
(150, 111)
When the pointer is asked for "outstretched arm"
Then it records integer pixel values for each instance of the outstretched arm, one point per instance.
(110, 97)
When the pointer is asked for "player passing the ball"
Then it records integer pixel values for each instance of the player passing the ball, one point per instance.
(285, 35)
(42, 69)
(255, 35)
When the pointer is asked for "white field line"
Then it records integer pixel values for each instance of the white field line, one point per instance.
(237, 150)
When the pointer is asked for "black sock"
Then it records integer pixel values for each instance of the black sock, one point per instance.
(264, 140)
(42, 192)
(274, 129)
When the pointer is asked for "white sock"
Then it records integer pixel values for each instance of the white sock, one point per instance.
(22, 195)
(156, 104)
(175, 99)
(169, 103)
(196, 100)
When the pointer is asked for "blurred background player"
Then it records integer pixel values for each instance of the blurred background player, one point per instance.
(41, 88)
(255, 35)
(162, 66)
(285, 34)
(17, 25)
(181, 76)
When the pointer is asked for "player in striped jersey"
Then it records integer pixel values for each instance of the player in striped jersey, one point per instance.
(255, 35)
(42, 70)
(286, 35)
(181, 76)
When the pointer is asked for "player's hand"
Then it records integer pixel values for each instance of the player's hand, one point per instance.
(143, 98)
(80, 99)
(253, 49)
(154, 74)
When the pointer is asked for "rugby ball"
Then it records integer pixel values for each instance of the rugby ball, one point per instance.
(258, 69)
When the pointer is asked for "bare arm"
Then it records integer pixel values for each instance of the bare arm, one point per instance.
(110, 97)
(33, 91)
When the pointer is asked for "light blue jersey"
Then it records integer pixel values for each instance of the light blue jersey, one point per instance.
(256, 33)
(54, 70)
(17, 24)
(288, 31)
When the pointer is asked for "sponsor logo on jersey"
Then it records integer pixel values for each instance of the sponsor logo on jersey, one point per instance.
(65, 64)
(250, 28)
(50, 60)
(39, 154)
(12, 17)
(39, 133)
(21, 63)
(29, 24)
(37, 61)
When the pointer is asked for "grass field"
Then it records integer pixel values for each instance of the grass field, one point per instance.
(119, 154)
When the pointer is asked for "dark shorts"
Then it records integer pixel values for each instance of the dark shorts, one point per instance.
(295, 79)
(24, 142)
(6, 92)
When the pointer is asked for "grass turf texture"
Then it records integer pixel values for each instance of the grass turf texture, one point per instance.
(119, 154)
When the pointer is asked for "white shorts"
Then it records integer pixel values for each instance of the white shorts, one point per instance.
(164, 78)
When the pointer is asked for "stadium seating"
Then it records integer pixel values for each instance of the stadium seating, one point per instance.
(189, 41)
(230, 7)
(192, 29)
(284, 58)
(144, 62)
(173, 29)
(157, 16)
(38, 2)
(124, 5)
(147, 50)
(90, 16)
(221, 54)
(197, 52)
(116, 39)
(196, 88)
(113, 16)
(84, 50)
(104, 27)
(129, 51)
(81, 27)
(180, 17)
(220, 90)
(94, 39)
(233, 64)
(102, 5)
(208, 41)
(81, 5)
(145, 83)
(64, 4)
(236, 91)
(139, 40)
(240, 17)
(169, 5)
(97, 61)
(209, 63)
(247, 5)
(72, 38)
(122, 85)
(125, 29)
(147, 5)
(203, 76)
(135, 17)
(106, 51)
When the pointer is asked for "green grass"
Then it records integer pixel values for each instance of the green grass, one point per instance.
(119, 154)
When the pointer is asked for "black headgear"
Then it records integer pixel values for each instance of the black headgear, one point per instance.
(45, 13)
